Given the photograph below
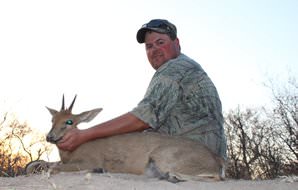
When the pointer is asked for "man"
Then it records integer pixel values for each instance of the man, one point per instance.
(180, 100)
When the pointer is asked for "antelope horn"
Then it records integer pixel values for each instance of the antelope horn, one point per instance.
(71, 105)
(62, 107)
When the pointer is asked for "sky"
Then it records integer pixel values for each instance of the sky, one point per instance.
(89, 48)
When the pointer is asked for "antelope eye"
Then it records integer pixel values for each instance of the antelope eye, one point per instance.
(69, 122)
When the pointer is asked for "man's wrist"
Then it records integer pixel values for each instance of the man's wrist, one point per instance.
(84, 136)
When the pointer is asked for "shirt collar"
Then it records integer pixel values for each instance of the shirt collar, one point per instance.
(166, 64)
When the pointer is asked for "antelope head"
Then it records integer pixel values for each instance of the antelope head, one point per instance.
(64, 120)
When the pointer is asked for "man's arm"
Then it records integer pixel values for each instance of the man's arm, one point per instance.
(123, 124)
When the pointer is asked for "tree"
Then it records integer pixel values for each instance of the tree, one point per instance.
(285, 115)
(285, 119)
(19, 145)
(254, 149)
(263, 142)
(244, 135)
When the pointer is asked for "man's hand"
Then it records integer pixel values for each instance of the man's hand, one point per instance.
(71, 140)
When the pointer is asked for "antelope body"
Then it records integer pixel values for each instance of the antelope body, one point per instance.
(143, 153)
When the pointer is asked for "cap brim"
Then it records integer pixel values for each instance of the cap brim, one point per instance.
(141, 35)
(142, 32)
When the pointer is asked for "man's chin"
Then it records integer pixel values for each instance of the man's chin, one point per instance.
(156, 64)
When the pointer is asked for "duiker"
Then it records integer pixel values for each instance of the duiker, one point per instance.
(152, 154)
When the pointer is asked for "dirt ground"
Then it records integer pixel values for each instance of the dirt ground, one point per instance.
(86, 181)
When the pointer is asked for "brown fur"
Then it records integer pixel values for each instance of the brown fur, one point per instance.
(153, 154)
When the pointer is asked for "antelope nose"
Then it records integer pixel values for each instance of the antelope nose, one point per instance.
(50, 138)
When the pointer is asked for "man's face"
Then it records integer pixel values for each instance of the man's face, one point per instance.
(160, 48)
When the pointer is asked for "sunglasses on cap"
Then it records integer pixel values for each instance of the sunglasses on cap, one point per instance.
(157, 25)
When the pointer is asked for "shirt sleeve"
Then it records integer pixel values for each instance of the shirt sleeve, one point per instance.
(157, 103)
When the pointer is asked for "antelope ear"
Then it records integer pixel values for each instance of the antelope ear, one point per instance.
(89, 115)
(52, 111)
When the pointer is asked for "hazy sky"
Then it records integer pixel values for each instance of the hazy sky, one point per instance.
(89, 48)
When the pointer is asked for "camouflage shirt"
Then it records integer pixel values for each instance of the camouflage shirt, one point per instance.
(182, 100)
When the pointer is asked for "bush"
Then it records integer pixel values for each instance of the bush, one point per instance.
(19, 145)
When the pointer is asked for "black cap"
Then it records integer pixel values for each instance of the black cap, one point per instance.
(159, 26)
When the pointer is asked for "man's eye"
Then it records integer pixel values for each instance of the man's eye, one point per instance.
(69, 122)
(160, 42)
(148, 46)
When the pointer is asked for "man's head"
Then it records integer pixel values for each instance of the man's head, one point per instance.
(157, 25)
(161, 42)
